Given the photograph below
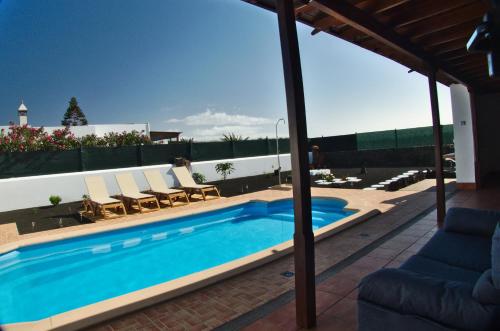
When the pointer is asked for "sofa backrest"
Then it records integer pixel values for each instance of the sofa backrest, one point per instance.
(471, 221)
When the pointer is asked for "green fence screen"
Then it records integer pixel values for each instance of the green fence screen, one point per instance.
(249, 148)
(20, 164)
(161, 154)
(211, 151)
(346, 142)
(404, 138)
(110, 158)
(284, 145)
(38, 163)
(376, 140)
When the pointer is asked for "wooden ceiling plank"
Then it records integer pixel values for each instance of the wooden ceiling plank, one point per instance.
(453, 55)
(447, 20)
(472, 65)
(417, 11)
(377, 7)
(470, 58)
(445, 35)
(449, 46)
(374, 7)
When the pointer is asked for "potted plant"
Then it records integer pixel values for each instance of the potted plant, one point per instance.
(224, 169)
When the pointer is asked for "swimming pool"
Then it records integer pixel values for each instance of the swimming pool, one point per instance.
(43, 280)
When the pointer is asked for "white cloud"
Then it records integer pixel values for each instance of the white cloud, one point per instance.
(211, 125)
(210, 118)
(216, 132)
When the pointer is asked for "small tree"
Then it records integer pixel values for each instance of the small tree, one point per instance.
(231, 136)
(74, 115)
(224, 169)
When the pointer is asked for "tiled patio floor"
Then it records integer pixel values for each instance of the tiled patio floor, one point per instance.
(336, 296)
(217, 305)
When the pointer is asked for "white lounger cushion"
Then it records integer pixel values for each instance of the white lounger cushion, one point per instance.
(97, 190)
(157, 183)
(186, 180)
(128, 187)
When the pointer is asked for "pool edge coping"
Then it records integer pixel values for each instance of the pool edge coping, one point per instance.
(104, 310)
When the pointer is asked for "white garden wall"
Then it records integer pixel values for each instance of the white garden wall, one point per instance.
(34, 191)
(463, 134)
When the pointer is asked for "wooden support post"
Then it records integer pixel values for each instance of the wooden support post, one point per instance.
(438, 152)
(303, 238)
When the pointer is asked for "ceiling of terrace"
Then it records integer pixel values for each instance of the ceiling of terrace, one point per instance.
(419, 34)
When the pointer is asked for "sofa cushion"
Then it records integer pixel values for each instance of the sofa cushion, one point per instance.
(447, 302)
(484, 290)
(440, 270)
(459, 250)
(373, 317)
(474, 222)
(495, 258)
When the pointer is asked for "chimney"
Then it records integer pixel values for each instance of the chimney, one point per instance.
(23, 114)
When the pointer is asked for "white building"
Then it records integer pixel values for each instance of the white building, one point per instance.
(79, 131)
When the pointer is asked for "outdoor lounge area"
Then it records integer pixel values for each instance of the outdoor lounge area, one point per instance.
(379, 213)
(262, 239)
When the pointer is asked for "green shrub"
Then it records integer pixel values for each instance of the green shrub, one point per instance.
(55, 200)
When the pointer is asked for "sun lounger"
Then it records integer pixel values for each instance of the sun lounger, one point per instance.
(131, 194)
(187, 182)
(99, 199)
(161, 190)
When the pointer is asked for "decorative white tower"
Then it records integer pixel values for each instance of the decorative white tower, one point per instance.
(23, 114)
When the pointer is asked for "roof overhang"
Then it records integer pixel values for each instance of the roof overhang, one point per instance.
(424, 35)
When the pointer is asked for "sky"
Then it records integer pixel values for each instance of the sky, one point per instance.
(203, 67)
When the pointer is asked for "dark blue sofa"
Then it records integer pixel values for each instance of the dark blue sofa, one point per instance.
(452, 283)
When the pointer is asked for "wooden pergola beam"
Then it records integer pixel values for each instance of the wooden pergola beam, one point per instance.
(305, 8)
(364, 22)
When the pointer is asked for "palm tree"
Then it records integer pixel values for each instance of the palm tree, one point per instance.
(231, 136)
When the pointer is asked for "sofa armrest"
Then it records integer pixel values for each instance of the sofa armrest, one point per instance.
(471, 221)
(446, 302)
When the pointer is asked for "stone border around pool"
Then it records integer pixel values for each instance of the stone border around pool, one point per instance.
(110, 308)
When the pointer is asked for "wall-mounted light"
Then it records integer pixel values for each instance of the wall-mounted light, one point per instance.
(486, 39)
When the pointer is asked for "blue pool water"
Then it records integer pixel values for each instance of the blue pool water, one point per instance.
(47, 279)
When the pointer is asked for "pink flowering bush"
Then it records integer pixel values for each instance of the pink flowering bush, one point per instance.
(28, 139)
(133, 138)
